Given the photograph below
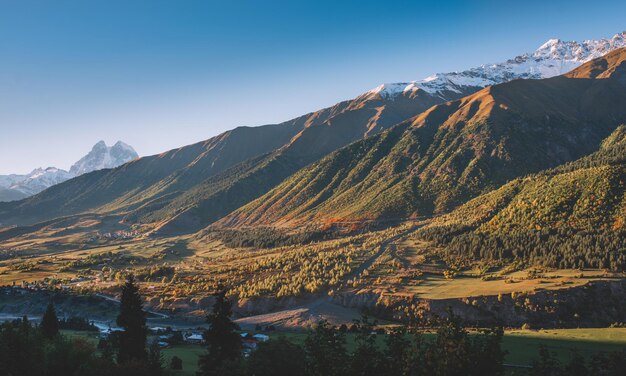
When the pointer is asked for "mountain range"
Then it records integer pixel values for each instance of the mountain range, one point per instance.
(400, 150)
(452, 152)
(14, 187)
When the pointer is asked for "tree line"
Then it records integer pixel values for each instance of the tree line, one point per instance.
(563, 248)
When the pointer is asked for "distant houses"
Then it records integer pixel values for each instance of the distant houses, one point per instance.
(193, 338)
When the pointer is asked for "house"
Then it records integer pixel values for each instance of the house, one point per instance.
(249, 344)
(106, 333)
(195, 338)
(261, 337)
(157, 329)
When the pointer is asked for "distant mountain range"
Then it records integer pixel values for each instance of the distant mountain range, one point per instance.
(400, 150)
(15, 187)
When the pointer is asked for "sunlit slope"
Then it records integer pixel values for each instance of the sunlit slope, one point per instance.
(588, 193)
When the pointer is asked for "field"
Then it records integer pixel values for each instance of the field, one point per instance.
(522, 345)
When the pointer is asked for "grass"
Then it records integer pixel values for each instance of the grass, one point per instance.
(91, 337)
(438, 287)
(189, 355)
(522, 345)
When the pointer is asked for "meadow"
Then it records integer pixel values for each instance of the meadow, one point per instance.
(522, 345)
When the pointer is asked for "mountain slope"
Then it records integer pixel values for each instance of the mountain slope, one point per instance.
(362, 117)
(454, 151)
(194, 186)
(227, 191)
(586, 193)
(572, 216)
(186, 182)
(7, 194)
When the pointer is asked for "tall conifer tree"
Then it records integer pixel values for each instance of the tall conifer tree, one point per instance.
(132, 317)
(50, 322)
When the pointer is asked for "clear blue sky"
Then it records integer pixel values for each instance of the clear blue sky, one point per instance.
(162, 74)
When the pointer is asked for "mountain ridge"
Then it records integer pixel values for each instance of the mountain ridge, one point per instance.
(193, 184)
(555, 57)
(453, 151)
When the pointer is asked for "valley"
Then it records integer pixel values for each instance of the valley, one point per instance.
(421, 206)
(389, 272)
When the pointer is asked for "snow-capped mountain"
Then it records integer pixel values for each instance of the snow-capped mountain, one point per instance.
(40, 179)
(553, 58)
(8, 180)
(14, 186)
(102, 156)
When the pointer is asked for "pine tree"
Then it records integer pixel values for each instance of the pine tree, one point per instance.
(222, 341)
(50, 322)
(326, 351)
(367, 359)
(132, 341)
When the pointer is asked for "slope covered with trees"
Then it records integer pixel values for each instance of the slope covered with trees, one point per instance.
(570, 216)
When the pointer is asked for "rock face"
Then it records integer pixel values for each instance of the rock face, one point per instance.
(16, 187)
(102, 156)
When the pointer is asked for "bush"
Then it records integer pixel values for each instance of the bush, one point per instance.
(176, 363)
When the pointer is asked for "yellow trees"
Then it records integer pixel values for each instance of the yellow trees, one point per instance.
(306, 269)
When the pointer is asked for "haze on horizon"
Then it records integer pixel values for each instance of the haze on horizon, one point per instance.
(159, 75)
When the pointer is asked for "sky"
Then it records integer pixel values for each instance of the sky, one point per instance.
(163, 74)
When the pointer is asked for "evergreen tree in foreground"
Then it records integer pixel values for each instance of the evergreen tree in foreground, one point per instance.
(50, 322)
(326, 351)
(132, 341)
(222, 341)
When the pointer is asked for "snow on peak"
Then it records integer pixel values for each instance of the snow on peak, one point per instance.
(102, 156)
(553, 58)
(40, 179)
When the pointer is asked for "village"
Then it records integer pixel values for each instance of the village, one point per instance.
(166, 337)
(102, 328)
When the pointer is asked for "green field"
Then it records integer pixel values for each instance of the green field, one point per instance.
(522, 345)
(188, 353)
